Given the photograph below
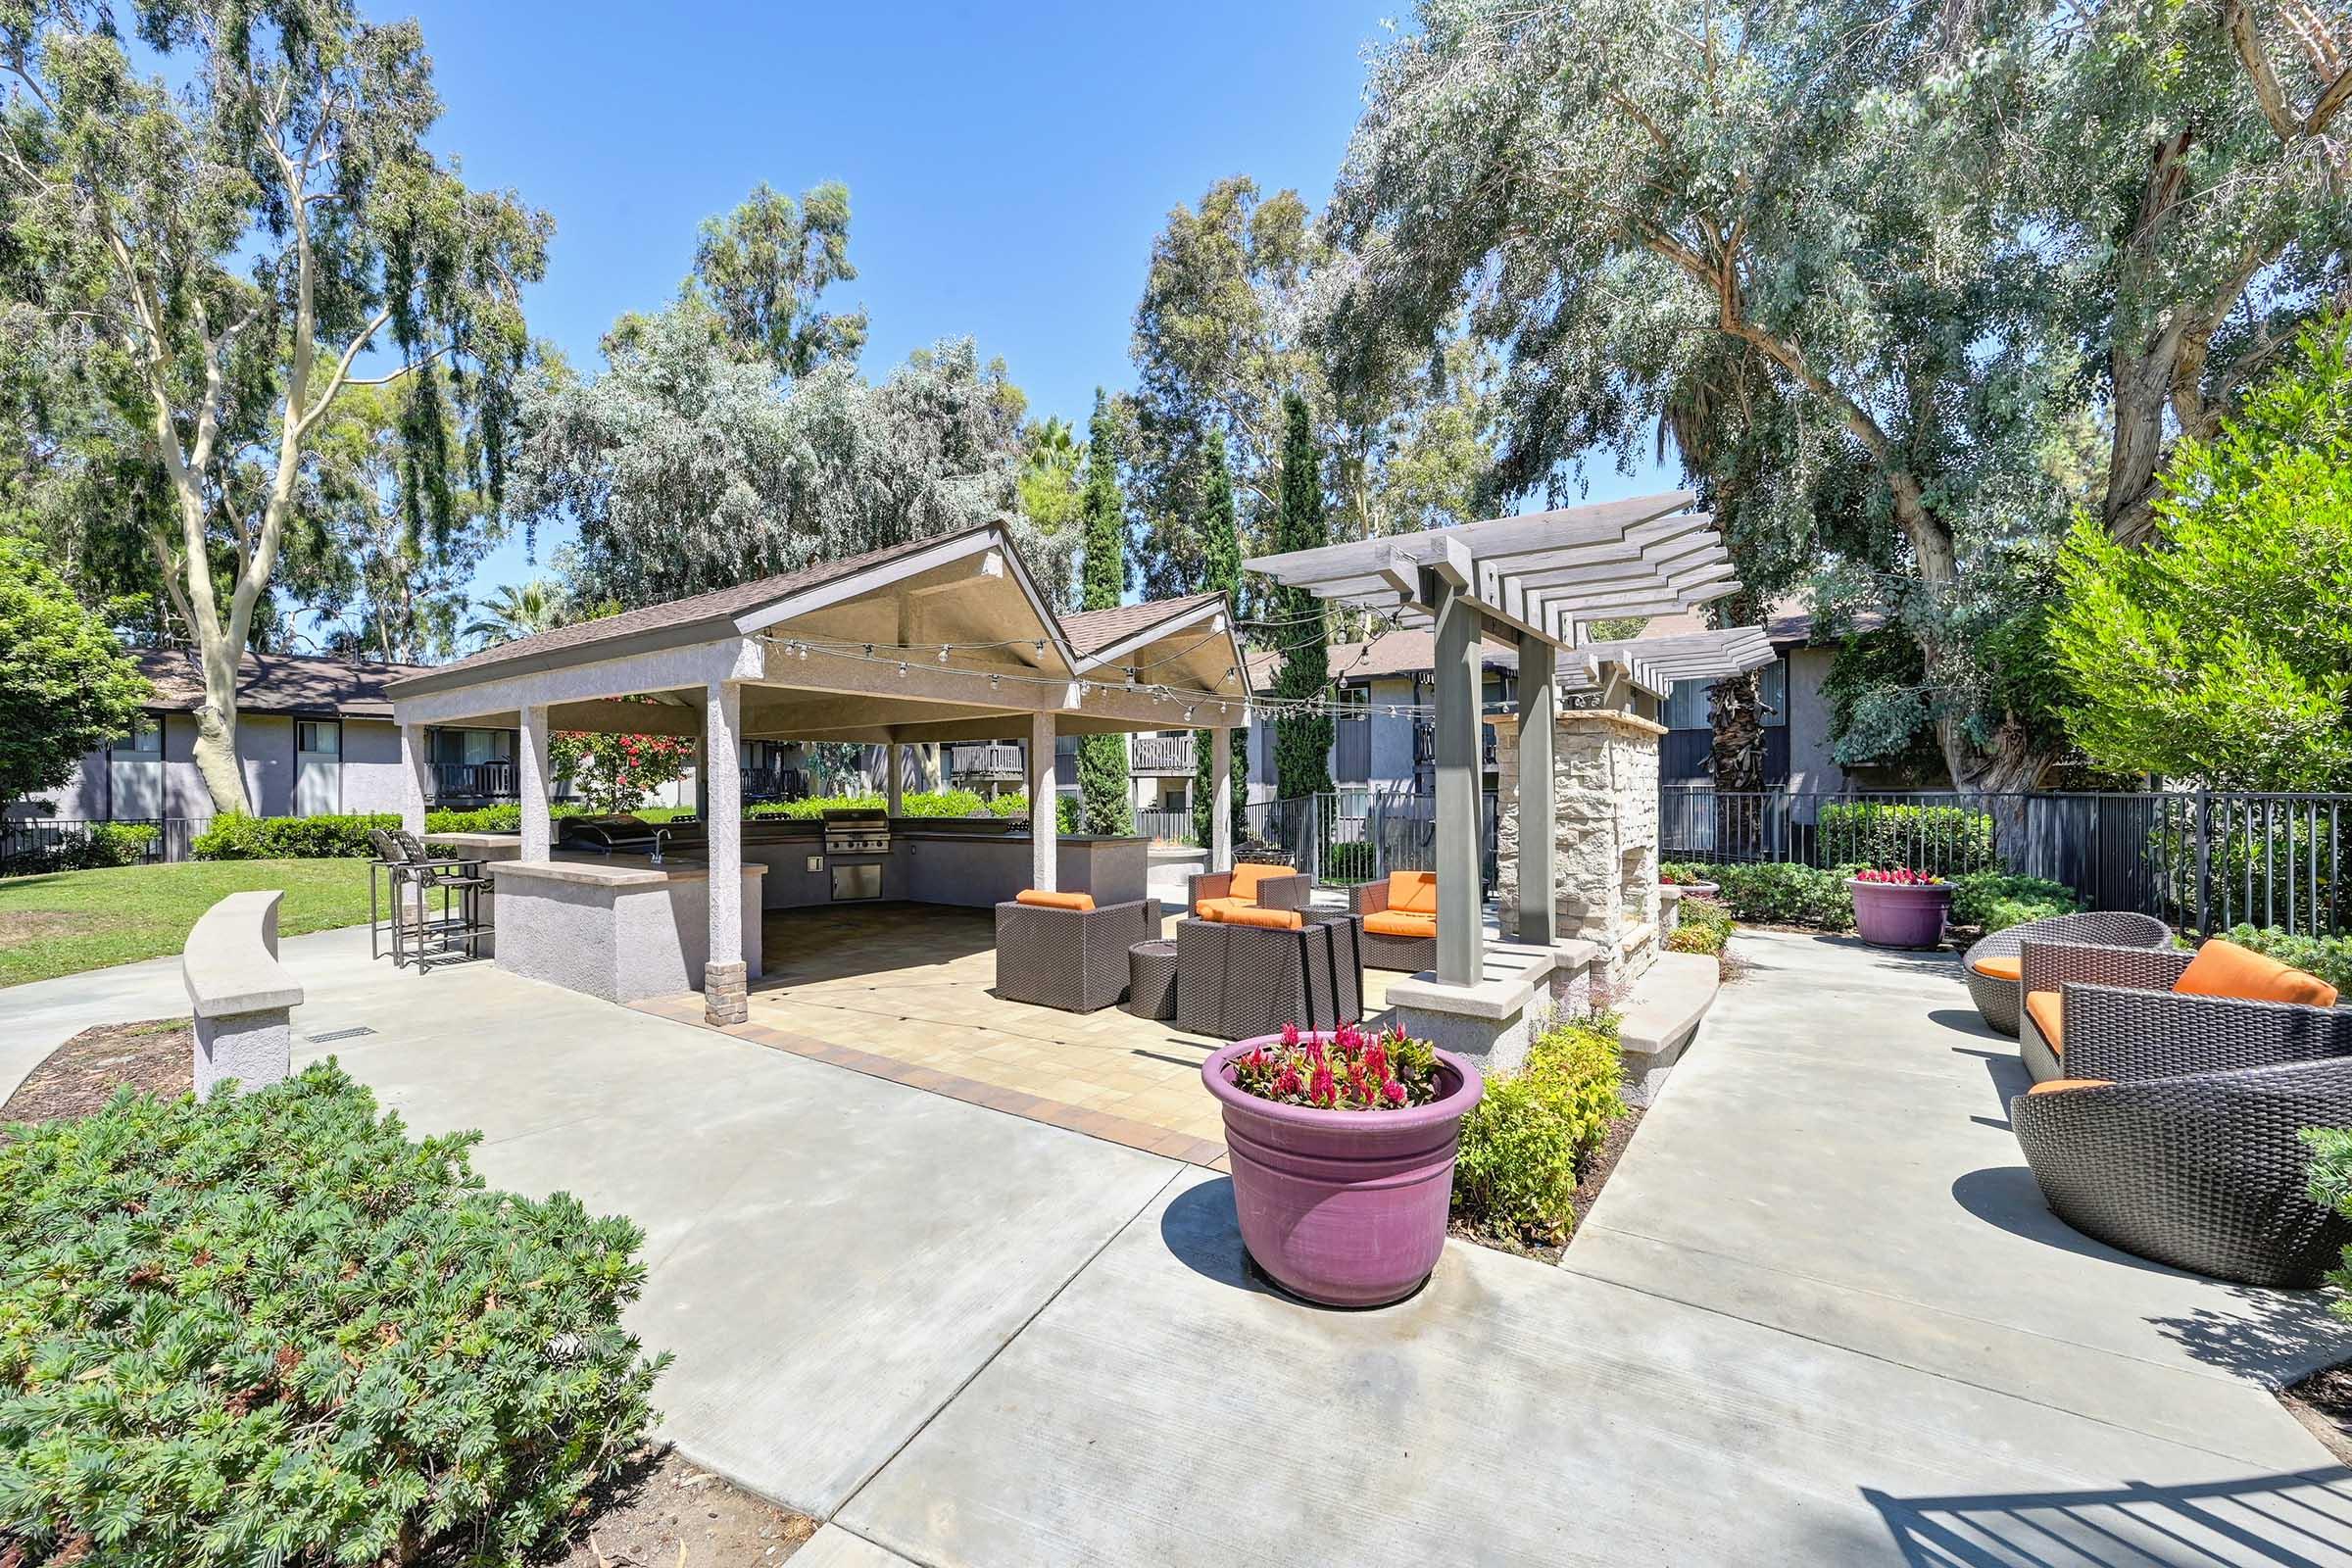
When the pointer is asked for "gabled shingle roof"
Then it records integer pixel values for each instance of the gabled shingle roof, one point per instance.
(1091, 629)
(275, 683)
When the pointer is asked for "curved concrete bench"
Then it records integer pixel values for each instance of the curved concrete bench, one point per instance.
(240, 994)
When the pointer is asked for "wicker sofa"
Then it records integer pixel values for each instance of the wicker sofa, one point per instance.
(1250, 884)
(1400, 920)
(2202, 1170)
(2112, 1012)
(1991, 967)
(1071, 958)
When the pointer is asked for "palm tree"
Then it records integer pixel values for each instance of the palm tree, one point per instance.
(518, 612)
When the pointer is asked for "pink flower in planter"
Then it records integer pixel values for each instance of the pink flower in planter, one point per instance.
(1392, 1092)
(1289, 1033)
(1286, 1082)
(1321, 1090)
(1376, 1064)
(1314, 1052)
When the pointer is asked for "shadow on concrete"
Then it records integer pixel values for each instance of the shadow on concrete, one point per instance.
(1943, 961)
(1205, 1233)
(1967, 1021)
(2006, 1197)
(2273, 1337)
(2302, 1517)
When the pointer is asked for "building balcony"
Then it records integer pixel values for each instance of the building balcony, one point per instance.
(1162, 754)
(986, 760)
(471, 782)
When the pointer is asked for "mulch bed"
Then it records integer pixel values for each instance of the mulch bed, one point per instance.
(155, 1056)
(662, 1512)
(2323, 1402)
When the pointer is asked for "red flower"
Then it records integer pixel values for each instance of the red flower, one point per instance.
(1376, 1064)
(1286, 1082)
(1289, 1033)
(1392, 1092)
(1314, 1050)
(1321, 1090)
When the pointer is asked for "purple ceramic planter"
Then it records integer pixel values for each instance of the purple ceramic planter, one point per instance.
(1895, 914)
(1346, 1207)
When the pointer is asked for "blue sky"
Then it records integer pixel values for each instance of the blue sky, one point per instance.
(1008, 165)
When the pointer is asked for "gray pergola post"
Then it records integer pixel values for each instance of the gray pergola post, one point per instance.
(1461, 939)
(1220, 800)
(1043, 824)
(413, 791)
(1539, 713)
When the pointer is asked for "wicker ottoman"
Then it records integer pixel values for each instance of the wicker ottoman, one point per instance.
(1152, 979)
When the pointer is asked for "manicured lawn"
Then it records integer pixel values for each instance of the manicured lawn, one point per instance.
(76, 920)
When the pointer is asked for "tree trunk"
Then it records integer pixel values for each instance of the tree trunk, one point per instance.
(1998, 778)
(216, 730)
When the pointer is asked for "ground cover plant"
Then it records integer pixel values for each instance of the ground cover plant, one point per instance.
(1997, 901)
(1704, 927)
(1777, 893)
(272, 1328)
(69, 921)
(1525, 1143)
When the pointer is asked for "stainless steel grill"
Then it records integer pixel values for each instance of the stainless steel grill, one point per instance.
(619, 834)
(857, 830)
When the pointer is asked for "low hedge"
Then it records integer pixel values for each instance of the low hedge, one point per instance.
(271, 1328)
(1997, 901)
(2331, 1188)
(1524, 1146)
(1944, 839)
(86, 847)
(1705, 927)
(1347, 862)
(2328, 958)
(1777, 893)
(238, 837)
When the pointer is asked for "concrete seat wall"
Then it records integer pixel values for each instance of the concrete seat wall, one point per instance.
(241, 997)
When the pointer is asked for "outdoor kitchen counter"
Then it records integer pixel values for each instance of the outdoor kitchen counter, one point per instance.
(615, 926)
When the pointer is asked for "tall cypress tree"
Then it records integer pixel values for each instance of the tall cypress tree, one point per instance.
(1103, 786)
(1221, 573)
(1302, 740)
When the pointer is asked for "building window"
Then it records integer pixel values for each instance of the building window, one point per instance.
(315, 737)
(144, 743)
(1687, 706)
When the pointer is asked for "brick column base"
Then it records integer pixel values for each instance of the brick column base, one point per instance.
(726, 993)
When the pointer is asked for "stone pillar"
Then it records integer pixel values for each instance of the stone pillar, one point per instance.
(1045, 825)
(1461, 937)
(1220, 800)
(894, 787)
(725, 981)
(414, 777)
(1530, 917)
(531, 780)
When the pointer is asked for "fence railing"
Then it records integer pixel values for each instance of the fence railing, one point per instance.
(985, 760)
(48, 843)
(1169, 827)
(2201, 861)
(1361, 835)
(1160, 754)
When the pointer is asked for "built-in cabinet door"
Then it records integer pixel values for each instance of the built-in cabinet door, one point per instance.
(317, 768)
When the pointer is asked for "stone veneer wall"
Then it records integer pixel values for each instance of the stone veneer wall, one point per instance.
(1605, 799)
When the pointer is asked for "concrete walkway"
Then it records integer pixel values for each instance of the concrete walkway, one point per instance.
(1818, 1317)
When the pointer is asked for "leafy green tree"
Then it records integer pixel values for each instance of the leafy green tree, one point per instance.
(1221, 573)
(515, 611)
(763, 267)
(228, 252)
(1941, 240)
(1049, 493)
(64, 687)
(2223, 656)
(1102, 779)
(1302, 740)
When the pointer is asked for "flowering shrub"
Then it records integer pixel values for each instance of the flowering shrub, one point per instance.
(617, 772)
(1678, 876)
(1346, 1070)
(1902, 876)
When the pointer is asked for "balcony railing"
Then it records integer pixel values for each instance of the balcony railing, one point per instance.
(985, 760)
(493, 780)
(1162, 754)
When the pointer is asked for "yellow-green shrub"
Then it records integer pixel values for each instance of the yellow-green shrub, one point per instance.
(1526, 1142)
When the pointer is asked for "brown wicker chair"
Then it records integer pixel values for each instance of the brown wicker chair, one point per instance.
(1998, 998)
(2119, 1017)
(1268, 887)
(1385, 949)
(2202, 1170)
(1234, 981)
(1073, 960)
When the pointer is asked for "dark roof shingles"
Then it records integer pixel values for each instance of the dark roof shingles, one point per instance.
(275, 683)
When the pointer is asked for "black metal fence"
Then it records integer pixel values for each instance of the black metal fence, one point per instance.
(1361, 835)
(44, 844)
(2201, 861)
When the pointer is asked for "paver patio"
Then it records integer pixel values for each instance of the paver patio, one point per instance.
(1819, 1316)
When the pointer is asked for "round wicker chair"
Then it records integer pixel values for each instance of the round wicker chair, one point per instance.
(1998, 1000)
(2202, 1171)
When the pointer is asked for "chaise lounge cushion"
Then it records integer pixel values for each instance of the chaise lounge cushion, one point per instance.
(1413, 893)
(2050, 1086)
(1055, 900)
(1397, 923)
(2000, 966)
(2047, 1009)
(1251, 914)
(2225, 969)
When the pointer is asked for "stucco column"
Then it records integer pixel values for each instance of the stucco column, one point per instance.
(1043, 820)
(1538, 710)
(724, 979)
(413, 777)
(531, 782)
(1461, 939)
(1220, 800)
(894, 785)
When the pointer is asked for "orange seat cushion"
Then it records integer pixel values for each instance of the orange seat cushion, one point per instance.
(2225, 969)
(2000, 966)
(1271, 919)
(2053, 1085)
(2047, 1009)
(1248, 874)
(1209, 909)
(1401, 923)
(1055, 900)
(1413, 892)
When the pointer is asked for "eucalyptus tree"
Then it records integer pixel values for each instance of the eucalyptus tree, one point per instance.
(1991, 258)
(235, 252)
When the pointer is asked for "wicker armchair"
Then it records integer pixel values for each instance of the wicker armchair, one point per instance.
(1073, 960)
(2119, 1017)
(1235, 981)
(1999, 997)
(1385, 950)
(2201, 1170)
(1268, 887)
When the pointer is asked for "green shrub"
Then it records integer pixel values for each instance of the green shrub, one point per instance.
(1997, 901)
(1779, 893)
(1705, 927)
(1347, 862)
(234, 836)
(1524, 1145)
(487, 820)
(2328, 958)
(1943, 839)
(2331, 1188)
(274, 1328)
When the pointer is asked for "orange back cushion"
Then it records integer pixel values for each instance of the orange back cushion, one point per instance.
(2053, 1085)
(1248, 874)
(2047, 1009)
(1271, 919)
(1413, 892)
(1055, 900)
(2225, 969)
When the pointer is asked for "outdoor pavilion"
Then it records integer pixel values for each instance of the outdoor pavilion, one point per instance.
(939, 639)
(1535, 581)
